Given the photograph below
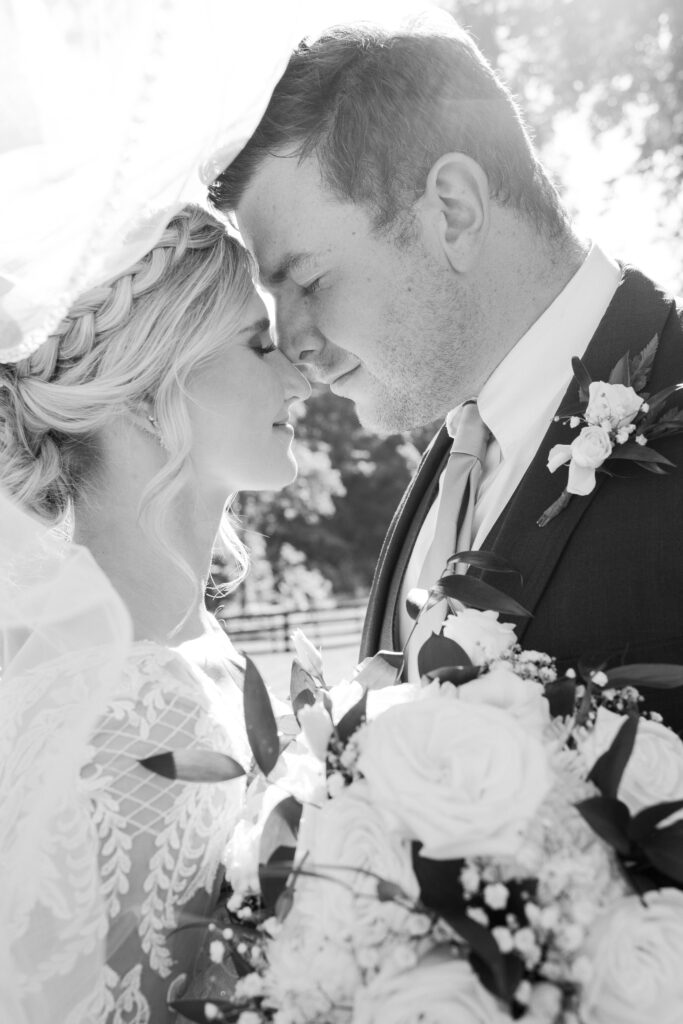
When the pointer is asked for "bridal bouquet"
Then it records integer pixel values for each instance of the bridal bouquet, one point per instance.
(496, 843)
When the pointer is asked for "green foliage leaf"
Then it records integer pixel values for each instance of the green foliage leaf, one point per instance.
(455, 674)
(658, 402)
(194, 765)
(416, 600)
(281, 828)
(195, 1009)
(561, 696)
(302, 688)
(274, 876)
(284, 903)
(645, 821)
(607, 771)
(485, 956)
(477, 594)
(660, 677)
(390, 892)
(639, 453)
(640, 365)
(260, 720)
(583, 378)
(664, 850)
(352, 720)
(485, 560)
(383, 669)
(440, 652)
(621, 374)
(609, 818)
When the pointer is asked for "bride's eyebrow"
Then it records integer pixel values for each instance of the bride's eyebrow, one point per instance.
(292, 261)
(258, 327)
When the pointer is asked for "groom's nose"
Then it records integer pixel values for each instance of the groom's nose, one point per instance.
(297, 336)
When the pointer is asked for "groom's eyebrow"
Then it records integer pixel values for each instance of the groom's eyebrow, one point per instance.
(292, 261)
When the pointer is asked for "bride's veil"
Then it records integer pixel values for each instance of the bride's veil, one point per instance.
(65, 634)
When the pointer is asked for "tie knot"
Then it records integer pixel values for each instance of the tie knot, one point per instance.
(471, 434)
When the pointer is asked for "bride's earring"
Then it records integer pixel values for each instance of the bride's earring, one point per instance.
(157, 432)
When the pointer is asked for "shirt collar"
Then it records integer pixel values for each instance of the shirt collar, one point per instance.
(538, 369)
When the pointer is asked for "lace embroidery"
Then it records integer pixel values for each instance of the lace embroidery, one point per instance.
(160, 843)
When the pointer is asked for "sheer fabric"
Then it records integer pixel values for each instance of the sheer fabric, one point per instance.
(115, 113)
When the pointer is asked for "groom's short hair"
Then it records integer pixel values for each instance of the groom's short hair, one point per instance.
(378, 109)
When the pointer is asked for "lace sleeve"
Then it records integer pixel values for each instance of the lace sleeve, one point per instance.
(160, 842)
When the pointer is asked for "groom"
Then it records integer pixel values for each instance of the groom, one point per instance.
(420, 259)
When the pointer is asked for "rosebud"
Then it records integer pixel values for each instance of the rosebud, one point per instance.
(308, 654)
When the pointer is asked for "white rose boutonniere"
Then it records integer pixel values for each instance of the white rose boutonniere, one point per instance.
(618, 421)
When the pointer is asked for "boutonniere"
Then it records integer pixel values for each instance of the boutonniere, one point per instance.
(618, 420)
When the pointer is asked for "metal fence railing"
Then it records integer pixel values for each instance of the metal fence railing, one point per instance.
(270, 631)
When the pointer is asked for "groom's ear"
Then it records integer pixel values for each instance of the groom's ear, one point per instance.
(455, 210)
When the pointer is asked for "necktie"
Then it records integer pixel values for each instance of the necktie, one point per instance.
(457, 496)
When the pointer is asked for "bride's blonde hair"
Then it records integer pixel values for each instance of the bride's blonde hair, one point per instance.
(130, 341)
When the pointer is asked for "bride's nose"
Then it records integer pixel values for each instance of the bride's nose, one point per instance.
(295, 384)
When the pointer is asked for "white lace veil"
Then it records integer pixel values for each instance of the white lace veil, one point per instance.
(115, 113)
(57, 611)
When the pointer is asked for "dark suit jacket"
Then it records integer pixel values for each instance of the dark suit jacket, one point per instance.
(604, 578)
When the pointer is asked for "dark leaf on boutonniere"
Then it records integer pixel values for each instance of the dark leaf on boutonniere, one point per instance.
(390, 892)
(583, 378)
(259, 719)
(561, 697)
(352, 720)
(640, 365)
(439, 651)
(658, 402)
(485, 560)
(664, 850)
(645, 821)
(477, 594)
(196, 1009)
(660, 677)
(621, 374)
(455, 674)
(302, 688)
(194, 766)
(609, 818)
(607, 771)
(639, 453)
(383, 669)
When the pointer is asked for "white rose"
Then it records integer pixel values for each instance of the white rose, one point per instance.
(309, 974)
(585, 454)
(654, 772)
(316, 725)
(463, 779)
(611, 405)
(440, 990)
(522, 698)
(349, 833)
(482, 637)
(299, 773)
(589, 451)
(636, 950)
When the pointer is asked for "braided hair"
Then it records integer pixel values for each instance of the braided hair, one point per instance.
(134, 339)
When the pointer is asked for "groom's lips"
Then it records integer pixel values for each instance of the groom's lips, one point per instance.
(341, 379)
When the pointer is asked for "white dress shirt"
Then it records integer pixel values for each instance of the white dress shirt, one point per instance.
(520, 398)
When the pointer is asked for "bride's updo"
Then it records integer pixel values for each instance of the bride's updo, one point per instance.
(130, 341)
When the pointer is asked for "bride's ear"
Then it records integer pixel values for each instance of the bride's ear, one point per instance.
(142, 417)
(455, 210)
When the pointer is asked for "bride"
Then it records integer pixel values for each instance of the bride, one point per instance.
(156, 398)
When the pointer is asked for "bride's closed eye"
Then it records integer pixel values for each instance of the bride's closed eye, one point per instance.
(262, 345)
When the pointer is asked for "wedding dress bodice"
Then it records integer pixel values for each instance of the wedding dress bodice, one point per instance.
(149, 849)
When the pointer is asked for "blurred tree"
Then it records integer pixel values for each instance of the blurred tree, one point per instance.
(622, 63)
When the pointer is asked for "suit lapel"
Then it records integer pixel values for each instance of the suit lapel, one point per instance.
(637, 311)
(378, 630)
